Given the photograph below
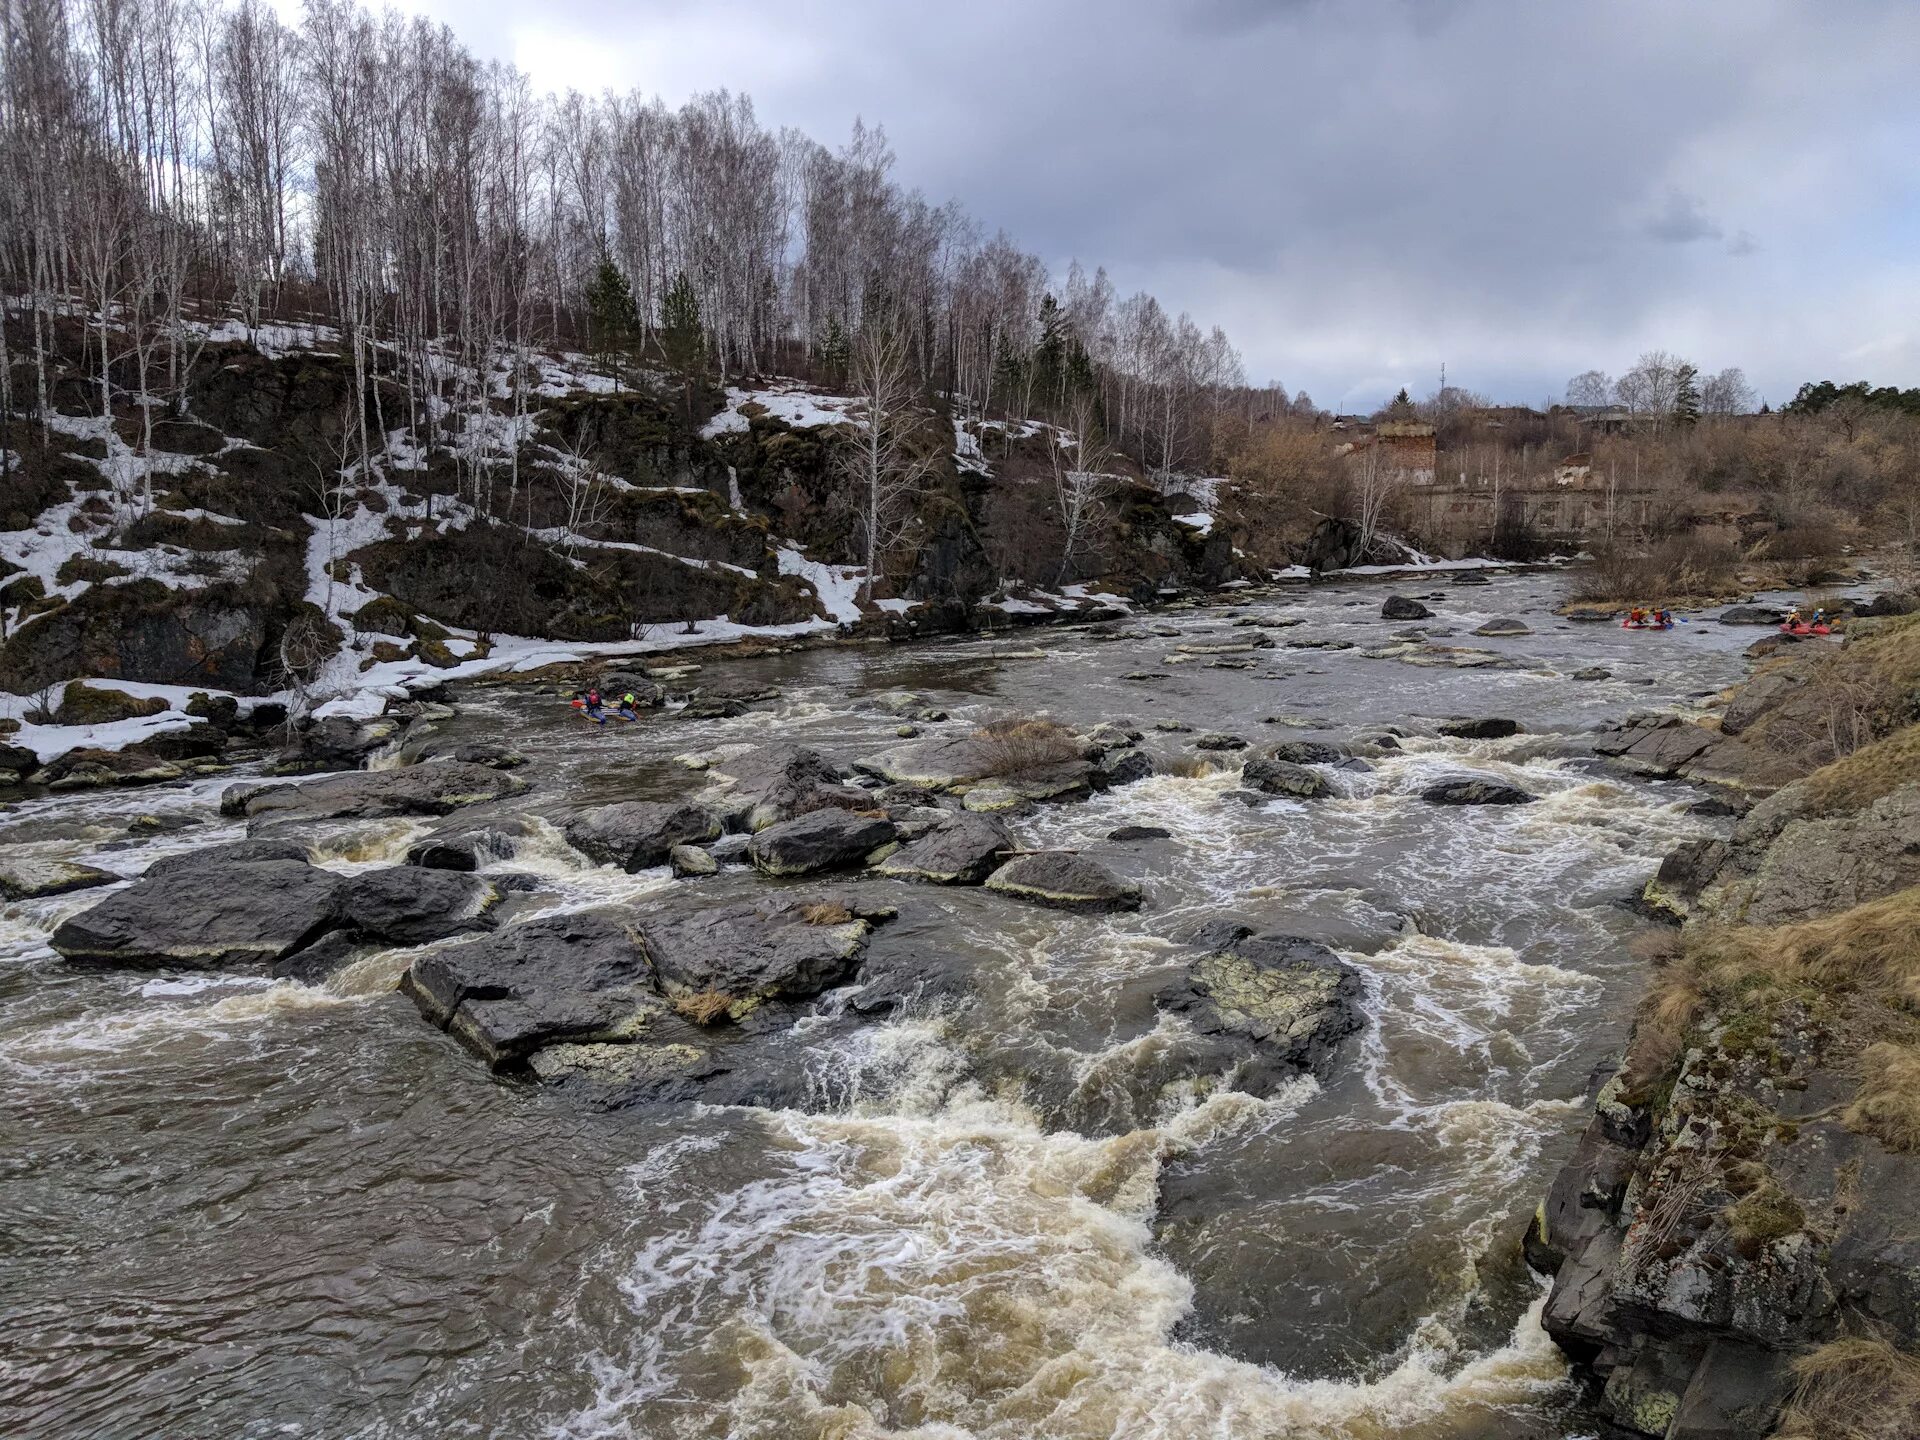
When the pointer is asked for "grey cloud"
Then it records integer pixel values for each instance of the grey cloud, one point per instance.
(1683, 220)
(1366, 188)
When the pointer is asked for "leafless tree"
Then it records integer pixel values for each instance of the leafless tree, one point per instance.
(1590, 390)
(887, 466)
(1727, 393)
(1082, 475)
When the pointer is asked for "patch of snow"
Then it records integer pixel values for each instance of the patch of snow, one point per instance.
(790, 403)
(1201, 524)
(838, 586)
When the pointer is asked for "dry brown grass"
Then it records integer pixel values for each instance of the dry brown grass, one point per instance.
(825, 912)
(704, 1007)
(1867, 959)
(1854, 1389)
(1869, 773)
(1887, 1106)
(1017, 745)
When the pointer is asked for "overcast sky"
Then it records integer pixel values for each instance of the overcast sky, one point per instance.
(1359, 190)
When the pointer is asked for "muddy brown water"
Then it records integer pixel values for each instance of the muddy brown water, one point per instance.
(230, 1207)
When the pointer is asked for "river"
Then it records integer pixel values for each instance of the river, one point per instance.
(233, 1207)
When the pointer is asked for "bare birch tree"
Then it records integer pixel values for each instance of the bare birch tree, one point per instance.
(888, 465)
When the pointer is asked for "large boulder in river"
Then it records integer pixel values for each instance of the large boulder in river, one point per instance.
(1751, 615)
(820, 840)
(437, 788)
(771, 948)
(1278, 777)
(1487, 729)
(1290, 998)
(960, 849)
(1404, 607)
(637, 834)
(406, 905)
(609, 977)
(944, 762)
(207, 916)
(787, 780)
(337, 742)
(1475, 790)
(234, 852)
(1066, 882)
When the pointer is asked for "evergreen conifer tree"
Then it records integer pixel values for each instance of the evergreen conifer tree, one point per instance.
(611, 314)
(1686, 395)
(681, 338)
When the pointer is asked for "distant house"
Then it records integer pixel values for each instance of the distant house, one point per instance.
(1408, 447)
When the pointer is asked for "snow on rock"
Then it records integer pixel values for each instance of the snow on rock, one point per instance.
(838, 586)
(791, 403)
(1201, 524)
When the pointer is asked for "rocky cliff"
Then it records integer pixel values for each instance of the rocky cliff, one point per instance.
(1736, 1241)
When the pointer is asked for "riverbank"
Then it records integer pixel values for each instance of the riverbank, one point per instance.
(1734, 1241)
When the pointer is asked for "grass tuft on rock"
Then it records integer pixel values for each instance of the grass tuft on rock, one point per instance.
(1015, 746)
(1888, 1104)
(1854, 1389)
(825, 912)
(704, 1007)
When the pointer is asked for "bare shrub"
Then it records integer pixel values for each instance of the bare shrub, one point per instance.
(1015, 746)
(1675, 571)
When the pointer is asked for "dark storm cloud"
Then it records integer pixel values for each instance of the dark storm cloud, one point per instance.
(1361, 190)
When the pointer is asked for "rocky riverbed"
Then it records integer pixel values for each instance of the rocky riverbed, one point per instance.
(839, 1050)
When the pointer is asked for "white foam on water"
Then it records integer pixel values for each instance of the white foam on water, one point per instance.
(944, 1267)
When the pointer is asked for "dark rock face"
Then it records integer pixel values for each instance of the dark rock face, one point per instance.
(1789, 861)
(1659, 745)
(784, 781)
(141, 631)
(237, 852)
(638, 834)
(819, 840)
(1127, 833)
(338, 742)
(1277, 777)
(1891, 602)
(1219, 742)
(1278, 1004)
(961, 849)
(1755, 698)
(1123, 766)
(1469, 790)
(1309, 752)
(1489, 729)
(775, 948)
(438, 788)
(207, 917)
(408, 905)
(1066, 882)
(1404, 607)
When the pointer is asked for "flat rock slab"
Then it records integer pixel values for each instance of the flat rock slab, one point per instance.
(235, 852)
(207, 917)
(1661, 746)
(639, 834)
(608, 976)
(1507, 626)
(1470, 790)
(960, 850)
(944, 762)
(1066, 882)
(821, 840)
(437, 788)
(29, 877)
(579, 976)
(776, 947)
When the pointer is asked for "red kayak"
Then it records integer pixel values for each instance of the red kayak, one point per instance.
(1805, 630)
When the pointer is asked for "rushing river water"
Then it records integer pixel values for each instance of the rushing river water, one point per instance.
(233, 1207)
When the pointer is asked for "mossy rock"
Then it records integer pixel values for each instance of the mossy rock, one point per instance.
(85, 569)
(82, 704)
(435, 653)
(382, 616)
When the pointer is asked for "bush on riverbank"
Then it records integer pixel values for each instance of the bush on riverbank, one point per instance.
(1016, 746)
(1685, 570)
